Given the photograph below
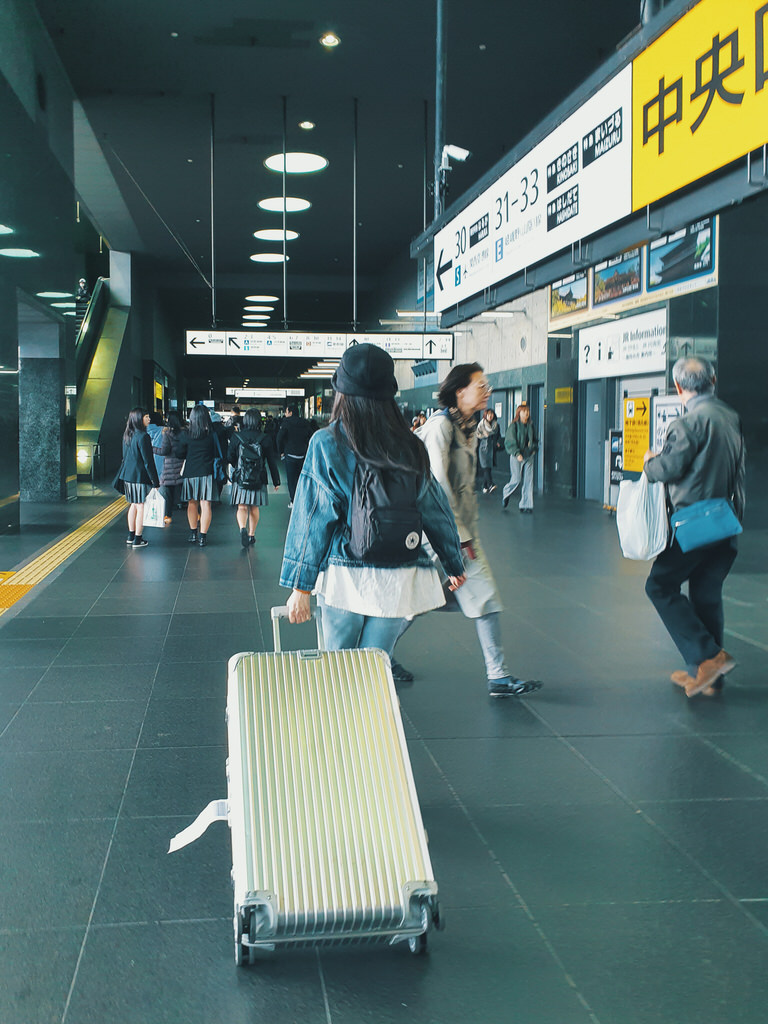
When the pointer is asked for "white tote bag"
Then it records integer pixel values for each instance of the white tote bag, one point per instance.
(154, 509)
(641, 518)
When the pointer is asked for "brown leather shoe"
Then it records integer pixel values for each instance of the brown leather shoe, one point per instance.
(709, 671)
(681, 678)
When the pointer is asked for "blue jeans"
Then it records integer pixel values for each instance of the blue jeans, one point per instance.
(344, 630)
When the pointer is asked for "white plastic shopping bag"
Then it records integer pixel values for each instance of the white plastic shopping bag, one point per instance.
(154, 509)
(641, 518)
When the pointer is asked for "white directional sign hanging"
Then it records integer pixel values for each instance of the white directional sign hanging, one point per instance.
(573, 183)
(437, 345)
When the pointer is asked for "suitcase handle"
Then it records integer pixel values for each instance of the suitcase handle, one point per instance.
(281, 612)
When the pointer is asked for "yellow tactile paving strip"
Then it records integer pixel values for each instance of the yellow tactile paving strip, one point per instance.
(15, 585)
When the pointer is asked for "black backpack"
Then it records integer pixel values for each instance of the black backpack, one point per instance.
(249, 472)
(385, 524)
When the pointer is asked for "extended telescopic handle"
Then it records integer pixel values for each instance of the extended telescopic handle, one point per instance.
(281, 612)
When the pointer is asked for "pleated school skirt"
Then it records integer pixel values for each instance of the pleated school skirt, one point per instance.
(137, 493)
(197, 488)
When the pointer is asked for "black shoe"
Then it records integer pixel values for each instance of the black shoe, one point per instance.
(492, 488)
(399, 673)
(251, 539)
(139, 542)
(202, 540)
(527, 511)
(505, 502)
(130, 539)
(192, 538)
(244, 537)
(511, 687)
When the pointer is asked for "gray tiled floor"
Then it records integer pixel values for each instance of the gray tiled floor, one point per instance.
(600, 846)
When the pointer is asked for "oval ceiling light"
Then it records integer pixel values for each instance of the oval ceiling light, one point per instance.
(306, 126)
(64, 305)
(5, 230)
(275, 235)
(259, 309)
(329, 40)
(292, 204)
(54, 295)
(296, 163)
(268, 257)
(19, 254)
(261, 298)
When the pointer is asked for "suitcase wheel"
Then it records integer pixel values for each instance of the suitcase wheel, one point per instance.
(418, 944)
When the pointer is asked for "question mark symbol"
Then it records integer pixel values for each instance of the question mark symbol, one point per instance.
(586, 353)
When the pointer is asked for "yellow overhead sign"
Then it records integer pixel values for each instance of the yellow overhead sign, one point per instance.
(700, 96)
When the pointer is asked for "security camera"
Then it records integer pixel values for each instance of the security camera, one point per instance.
(454, 153)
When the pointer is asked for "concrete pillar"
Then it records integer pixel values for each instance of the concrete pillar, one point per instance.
(9, 410)
(44, 450)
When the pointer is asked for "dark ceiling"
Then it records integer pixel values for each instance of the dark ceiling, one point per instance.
(146, 71)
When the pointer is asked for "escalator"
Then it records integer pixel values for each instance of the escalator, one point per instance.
(97, 350)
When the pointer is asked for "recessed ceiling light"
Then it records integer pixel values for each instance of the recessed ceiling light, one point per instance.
(268, 257)
(70, 312)
(292, 204)
(306, 126)
(19, 254)
(261, 298)
(64, 305)
(54, 295)
(259, 309)
(329, 40)
(189, 160)
(174, 35)
(5, 230)
(296, 163)
(275, 234)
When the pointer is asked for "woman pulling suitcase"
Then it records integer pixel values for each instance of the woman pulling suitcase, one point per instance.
(366, 469)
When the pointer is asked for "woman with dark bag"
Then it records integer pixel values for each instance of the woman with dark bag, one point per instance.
(362, 596)
(137, 473)
(248, 493)
(196, 446)
(170, 478)
(487, 435)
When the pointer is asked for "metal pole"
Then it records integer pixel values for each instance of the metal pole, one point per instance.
(213, 237)
(285, 258)
(424, 204)
(440, 69)
(354, 221)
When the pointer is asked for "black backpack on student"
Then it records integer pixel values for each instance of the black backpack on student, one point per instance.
(385, 524)
(249, 472)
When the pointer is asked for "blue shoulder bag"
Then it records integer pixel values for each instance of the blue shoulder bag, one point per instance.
(704, 523)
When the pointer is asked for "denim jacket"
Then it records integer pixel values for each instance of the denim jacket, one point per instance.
(319, 528)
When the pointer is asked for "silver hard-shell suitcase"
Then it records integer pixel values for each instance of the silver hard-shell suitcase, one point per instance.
(328, 844)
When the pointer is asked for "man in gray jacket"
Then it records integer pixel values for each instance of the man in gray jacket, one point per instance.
(703, 457)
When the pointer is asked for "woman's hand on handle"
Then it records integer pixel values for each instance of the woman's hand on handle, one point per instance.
(454, 582)
(298, 607)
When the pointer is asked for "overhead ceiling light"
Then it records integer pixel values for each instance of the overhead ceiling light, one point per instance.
(19, 254)
(261, 298)
(5, 230)
(329, 40)
(54, 295)
(259, 309)
(70, 312)
(415, 314)
(64, 305)
(275, 235)
(306, 126)
(296, 163)
(292, 204)
(268, 257)
(256, 316)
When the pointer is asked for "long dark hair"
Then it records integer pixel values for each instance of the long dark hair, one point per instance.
(377, 433)
(199, 422)
(175, 426)
(135, 424)
(458, 378)
(252, 420)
